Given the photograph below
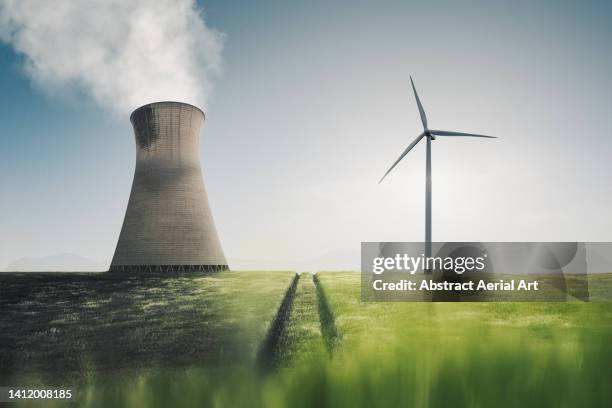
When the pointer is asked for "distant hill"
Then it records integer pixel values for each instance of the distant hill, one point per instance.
(599, 257)
(65, 262)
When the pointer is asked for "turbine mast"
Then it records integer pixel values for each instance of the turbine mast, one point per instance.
(428, 204)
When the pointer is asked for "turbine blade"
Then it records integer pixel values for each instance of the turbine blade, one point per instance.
(421, 110)
(447, 133)
(404, 153)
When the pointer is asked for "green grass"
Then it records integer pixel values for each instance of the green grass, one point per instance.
(339, 352)
(474, 354)
(301, 341)
(391, 322)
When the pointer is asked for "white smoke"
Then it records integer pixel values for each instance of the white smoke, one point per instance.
(121, 53)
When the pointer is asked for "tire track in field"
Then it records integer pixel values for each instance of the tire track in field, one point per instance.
(329, 331)
(269, 355)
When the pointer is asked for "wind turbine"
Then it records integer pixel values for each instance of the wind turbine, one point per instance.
(430, 135)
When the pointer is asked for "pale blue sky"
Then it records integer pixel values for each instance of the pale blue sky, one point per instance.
(314, 104)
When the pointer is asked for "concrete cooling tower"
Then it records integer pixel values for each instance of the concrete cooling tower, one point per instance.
(168, 226)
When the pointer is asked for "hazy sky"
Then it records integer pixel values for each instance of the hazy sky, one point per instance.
(313, 104)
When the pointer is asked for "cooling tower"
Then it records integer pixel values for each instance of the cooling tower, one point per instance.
(168, 225)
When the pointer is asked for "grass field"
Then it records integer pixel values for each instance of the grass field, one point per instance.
(272, 340)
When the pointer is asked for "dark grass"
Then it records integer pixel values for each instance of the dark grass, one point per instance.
(59, 328)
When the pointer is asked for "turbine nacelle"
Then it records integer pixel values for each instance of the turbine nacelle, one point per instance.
(430, 134)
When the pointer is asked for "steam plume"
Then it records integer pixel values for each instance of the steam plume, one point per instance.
(122, 54)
